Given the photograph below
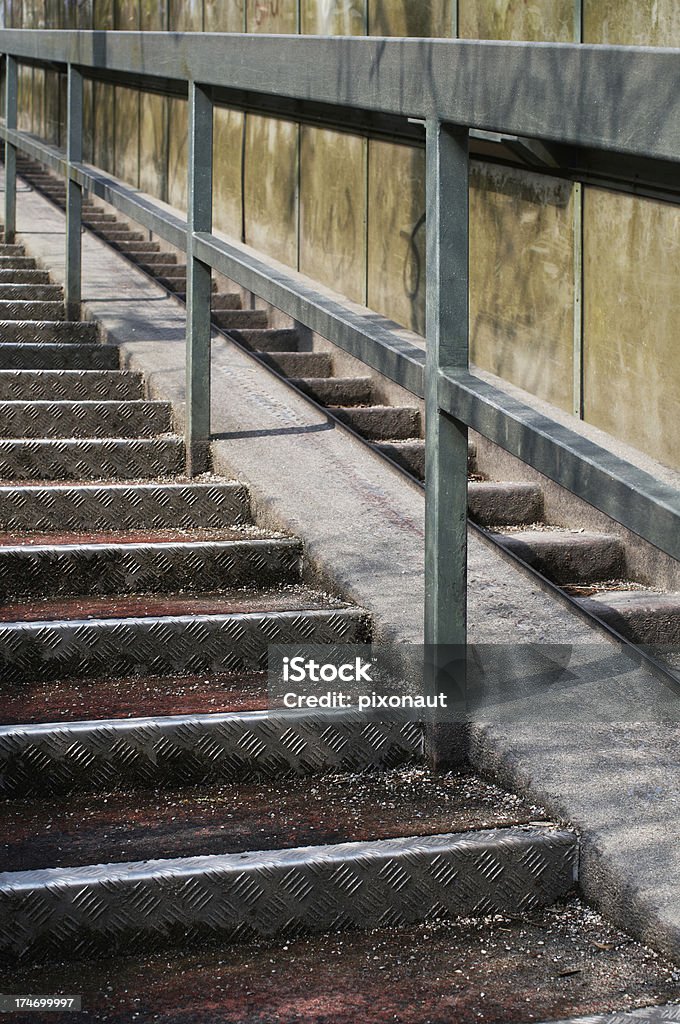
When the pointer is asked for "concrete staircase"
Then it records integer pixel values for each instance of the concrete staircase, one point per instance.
(591, 567)
(150, 799)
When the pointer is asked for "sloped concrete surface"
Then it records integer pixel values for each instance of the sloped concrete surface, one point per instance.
(600, 748)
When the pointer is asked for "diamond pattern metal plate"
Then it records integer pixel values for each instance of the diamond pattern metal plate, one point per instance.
(41, 760)
(91, 459)
(67, 419)
(648, 1015)
(69, 385)
(124, 507)
(18, 309)
(108, 909)
(25, 355)
(187, 645)
(59, 570)
(35, 331)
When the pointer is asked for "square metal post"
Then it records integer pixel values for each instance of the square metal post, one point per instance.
(74, 194)
(199, 281)
(11, 98)
(446, 445)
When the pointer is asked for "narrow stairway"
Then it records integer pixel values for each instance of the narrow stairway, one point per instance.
(148, 798)
(591, 567)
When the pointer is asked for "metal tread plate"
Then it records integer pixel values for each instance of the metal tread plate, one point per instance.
(105, 909)
(37, 330)
(69, 385)
(56, 355)
(84, 419)
(42, 760)
(124, 506)
(91, 459)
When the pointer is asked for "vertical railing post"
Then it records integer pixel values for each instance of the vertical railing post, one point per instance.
(199, 218)
(74, 194)
(11, 98)
(446, 446)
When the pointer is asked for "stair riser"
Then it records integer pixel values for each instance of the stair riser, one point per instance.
(164, 646)
(568, 560)
(150, 507)
(150, 260)
(99, 569)
(164, 268)
(301, 364)
(66, 331)
(240, 318)
(75, 386)
(88, 419)
(59, 356)
(11, 249)
(90, 460)
(505, 504)
(650, 620)
(145, 248)
(17, 263)
(113, 909)
(378, 423)
(24, 277)
(42, 761)
(31, 293)
(285, 340)
(119, 236)
(338, 391)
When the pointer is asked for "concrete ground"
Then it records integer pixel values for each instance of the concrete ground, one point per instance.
(598, 746)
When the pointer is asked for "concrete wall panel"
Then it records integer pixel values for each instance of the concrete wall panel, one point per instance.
(396, 233)
(632, 321)
(270, 182)
(333, 210)
(533, 20)
(228, 128)
(522, 280)
(632, 22)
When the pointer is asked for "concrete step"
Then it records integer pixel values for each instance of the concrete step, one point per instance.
(134, 248)
(24, 277)
(17, 263)
(90, 459)
(128, 907)
(269, 339)
(70, 385)
(642, 616)
(300, 364)
(337, 391)
(87, 565)
(409, 455)
(225, 300)
(116, 234)
(57, 356)
(71, 419)
(34, 332)
(240, 318)
(165, 634)
(99, 217)
(179, 286)
(149, 261)
(182, 750)
(509, 504)
(566, 556)
(167, 267)
(378, 422)
(120, 507)
(27, 310)
(31, 291)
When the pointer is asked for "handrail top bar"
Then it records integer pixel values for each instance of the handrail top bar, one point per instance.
(617, 98)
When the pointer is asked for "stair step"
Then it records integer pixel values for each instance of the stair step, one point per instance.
(27, 310)
(31, 292)
(410, 455)
(11, 249)
(90, 459)
(225, 300)
(87, 419)
(99, 217)
(164, 634)
(57, 356)
(87, 569)
(117, 507)
(116, 234)
(509, 504)
(240, 318)
(17, 263)
(70, 385)
(179, 286)
(165, 267)
(337, 391)
(14, 277)
(105, 910)
(48, 331)
(300, 364)
(568, 557)
(149, 261)
(268, 339)
(132, 248)
(377, 422)
(642, 616)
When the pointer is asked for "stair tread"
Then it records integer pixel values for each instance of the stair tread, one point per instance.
(137, 537)
(243, 602)
(236, 818)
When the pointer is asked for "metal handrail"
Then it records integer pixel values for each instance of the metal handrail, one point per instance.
(621, 99)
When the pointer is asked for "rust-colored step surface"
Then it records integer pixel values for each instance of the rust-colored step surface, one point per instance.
(77, 700)
(561, 963)
(233, 818)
